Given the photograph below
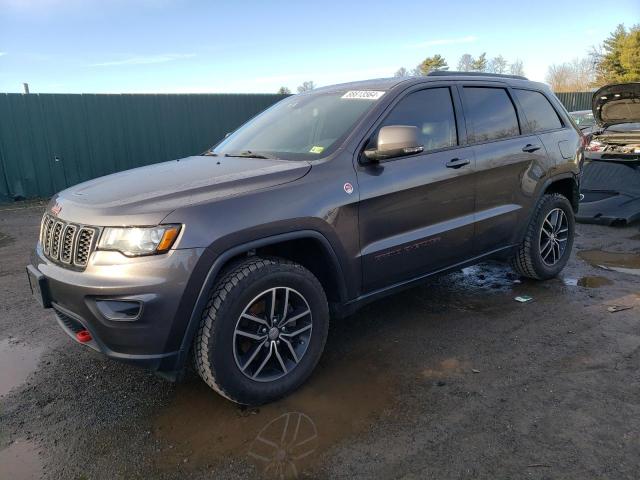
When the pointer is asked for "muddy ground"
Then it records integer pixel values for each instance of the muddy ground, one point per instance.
(453, 379)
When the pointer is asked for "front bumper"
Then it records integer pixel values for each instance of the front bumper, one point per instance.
(160, 283)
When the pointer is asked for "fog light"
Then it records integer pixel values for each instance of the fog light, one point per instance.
(119, 310)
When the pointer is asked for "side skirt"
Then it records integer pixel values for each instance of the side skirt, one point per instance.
(352, 306)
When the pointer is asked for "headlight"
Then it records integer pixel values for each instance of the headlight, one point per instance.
(134, 241)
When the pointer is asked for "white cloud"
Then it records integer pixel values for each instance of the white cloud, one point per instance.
(444, 41)
(145, 60)
(2, 54)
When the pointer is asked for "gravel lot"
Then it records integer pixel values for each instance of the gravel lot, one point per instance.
(454, 379)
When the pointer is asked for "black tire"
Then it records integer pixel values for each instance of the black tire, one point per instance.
(528, 260)
(216, 344)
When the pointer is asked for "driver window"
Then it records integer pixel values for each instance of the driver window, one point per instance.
(431, 111)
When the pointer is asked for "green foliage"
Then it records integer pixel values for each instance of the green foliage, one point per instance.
(480, 64)
(630, 56)
(436, 62)
(618, 59)
(284, 91)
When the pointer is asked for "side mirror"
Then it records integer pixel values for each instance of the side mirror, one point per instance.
(395, 141)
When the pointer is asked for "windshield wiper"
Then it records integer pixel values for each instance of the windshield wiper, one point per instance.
(209, 153)
(249, 154)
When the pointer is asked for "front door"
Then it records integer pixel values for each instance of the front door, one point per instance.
(416, 212)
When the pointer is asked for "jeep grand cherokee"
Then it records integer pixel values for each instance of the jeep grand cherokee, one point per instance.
(237, 258)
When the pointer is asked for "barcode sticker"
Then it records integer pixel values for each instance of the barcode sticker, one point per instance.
(363, 94)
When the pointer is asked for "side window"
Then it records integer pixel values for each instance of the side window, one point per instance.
(489, 113)
(431, 111)
(539, 112)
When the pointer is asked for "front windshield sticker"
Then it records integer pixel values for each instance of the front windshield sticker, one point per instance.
(316, 149)
(363, 94)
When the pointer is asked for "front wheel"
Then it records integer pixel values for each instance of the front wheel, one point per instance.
(548, 241)
(263, 331)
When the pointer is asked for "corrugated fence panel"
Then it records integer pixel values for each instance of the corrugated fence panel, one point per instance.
(573, 101)
(51, 141)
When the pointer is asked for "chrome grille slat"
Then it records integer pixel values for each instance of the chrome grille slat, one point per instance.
(83, 246)
(68, 240)
(46, 240)
(56, 235)
(67, 243)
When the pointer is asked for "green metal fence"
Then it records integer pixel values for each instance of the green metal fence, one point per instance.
(573, 101)
(51, 141)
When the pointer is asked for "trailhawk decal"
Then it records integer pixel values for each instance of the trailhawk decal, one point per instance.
(363, 94)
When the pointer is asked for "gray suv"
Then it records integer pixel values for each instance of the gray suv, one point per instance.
(236, 259)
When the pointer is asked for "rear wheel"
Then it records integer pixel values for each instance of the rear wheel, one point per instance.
(263, 331)
(547, 245)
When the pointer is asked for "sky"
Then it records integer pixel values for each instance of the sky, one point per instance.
(197, 46)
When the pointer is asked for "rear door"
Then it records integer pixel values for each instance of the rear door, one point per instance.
(508, 163)
(416, 212)
(542, 119)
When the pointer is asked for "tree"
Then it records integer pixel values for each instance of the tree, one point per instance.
(558, 77)
(402, 72)
(465, 63)
(498, 65)
(617, 59)
(436, 62)
(517, 68)
(575, 76)
(480, 63)
(630, 56)
(284, 91)
(306, 86)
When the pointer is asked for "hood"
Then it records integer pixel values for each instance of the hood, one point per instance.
(145, 195)
(618, 103)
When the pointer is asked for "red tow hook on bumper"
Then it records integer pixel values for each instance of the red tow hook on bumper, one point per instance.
(83, 336)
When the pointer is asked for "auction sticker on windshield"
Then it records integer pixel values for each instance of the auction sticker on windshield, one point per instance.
(363, 94)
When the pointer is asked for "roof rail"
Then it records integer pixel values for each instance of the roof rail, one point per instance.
(446, 73)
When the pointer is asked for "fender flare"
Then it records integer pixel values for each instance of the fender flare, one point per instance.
(224, 257)
(543, 188)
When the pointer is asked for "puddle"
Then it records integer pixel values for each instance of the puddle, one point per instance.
(18, 362)
(20, 461)
(593, 281)
(489, 276)
(5, 240)
(343, 397)
(620, 262)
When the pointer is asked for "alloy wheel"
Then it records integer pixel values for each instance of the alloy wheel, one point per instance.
(553, 237)
(272, 334)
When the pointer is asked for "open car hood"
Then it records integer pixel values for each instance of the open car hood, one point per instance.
(617, 103)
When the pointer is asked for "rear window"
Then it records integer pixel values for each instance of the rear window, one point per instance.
(539, 112)
(490, 114)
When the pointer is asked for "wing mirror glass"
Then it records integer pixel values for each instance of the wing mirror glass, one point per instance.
(394, 141)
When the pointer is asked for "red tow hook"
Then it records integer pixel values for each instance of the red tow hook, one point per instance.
(83, 336)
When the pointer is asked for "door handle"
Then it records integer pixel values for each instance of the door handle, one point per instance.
(531, 147)
(457, 162)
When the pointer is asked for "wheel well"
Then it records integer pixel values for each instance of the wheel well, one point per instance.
(568, 188)
(309, 253)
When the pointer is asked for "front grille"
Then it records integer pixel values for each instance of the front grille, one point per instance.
(67, 243)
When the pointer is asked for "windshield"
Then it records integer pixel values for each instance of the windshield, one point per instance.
(301, 127)
(583, 119)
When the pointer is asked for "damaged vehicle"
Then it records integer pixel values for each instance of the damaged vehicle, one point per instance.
(611, 177)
